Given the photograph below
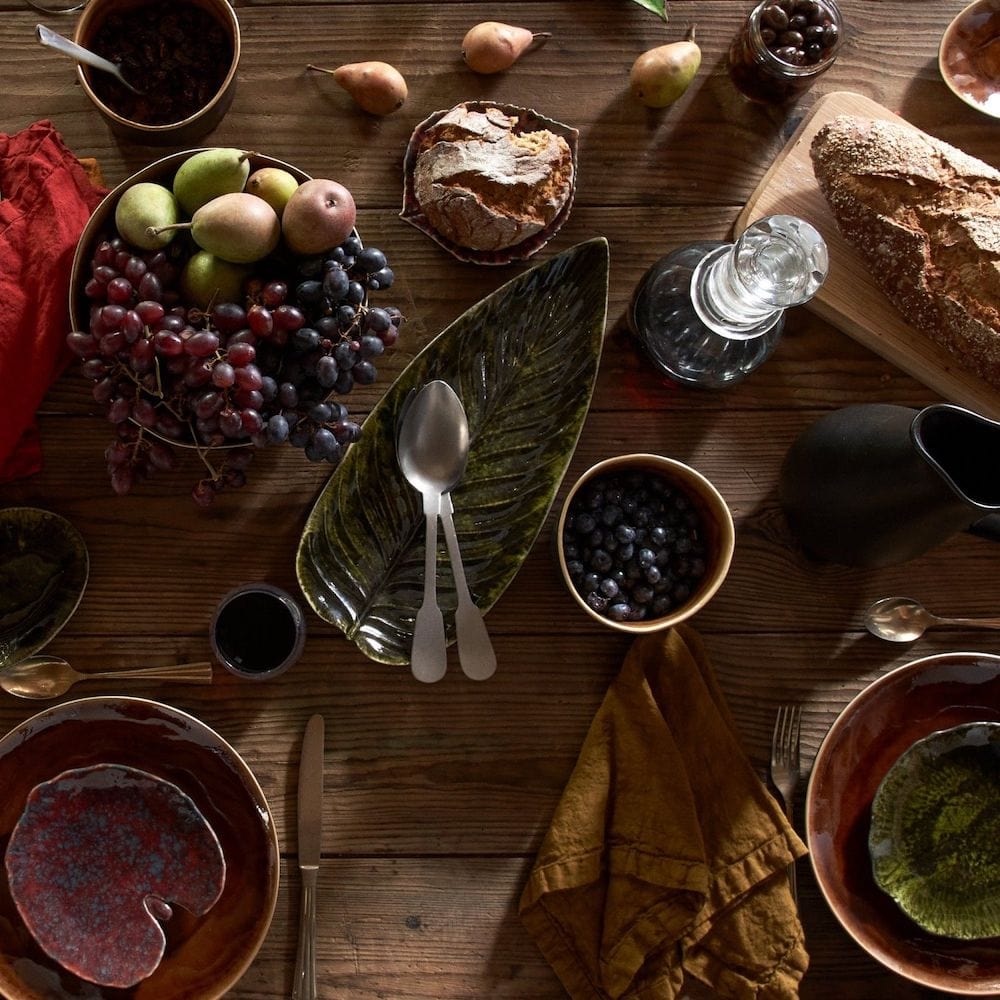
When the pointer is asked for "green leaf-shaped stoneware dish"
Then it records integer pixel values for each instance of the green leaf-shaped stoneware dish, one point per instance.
(935, 832)
(43, 572)
(524, 361)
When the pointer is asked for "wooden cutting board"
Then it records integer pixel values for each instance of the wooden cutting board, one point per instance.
(848, 299)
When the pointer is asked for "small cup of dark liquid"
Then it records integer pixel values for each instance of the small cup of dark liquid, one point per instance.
(257, 631)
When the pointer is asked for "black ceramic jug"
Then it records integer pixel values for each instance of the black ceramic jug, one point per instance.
(877, 484)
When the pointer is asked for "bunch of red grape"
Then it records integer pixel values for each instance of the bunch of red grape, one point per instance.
(235, 376)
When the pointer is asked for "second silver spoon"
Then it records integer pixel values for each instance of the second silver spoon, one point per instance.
(50, 676)
(901, 619)
(54, 40)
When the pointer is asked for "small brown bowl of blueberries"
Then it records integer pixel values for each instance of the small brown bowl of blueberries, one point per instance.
(644, 542)
(178, 59)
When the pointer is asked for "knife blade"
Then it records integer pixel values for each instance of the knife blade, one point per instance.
(310, 833)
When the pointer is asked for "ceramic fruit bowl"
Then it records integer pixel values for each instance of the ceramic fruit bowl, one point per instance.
(877, 727)
(644, 542)
(969, 56)
(186, 92)
(474, 146)
(182, 347)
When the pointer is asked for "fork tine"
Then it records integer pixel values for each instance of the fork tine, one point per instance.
(795, 735)
(776, 733)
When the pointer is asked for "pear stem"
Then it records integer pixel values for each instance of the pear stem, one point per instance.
(319, 69)
(689, 37)
(538, 39)
(156, 230)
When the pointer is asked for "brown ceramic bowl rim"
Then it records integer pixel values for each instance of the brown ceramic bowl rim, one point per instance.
(92, 14)
(947, 41)
(829, 881)
(713, 509)
(131, 708)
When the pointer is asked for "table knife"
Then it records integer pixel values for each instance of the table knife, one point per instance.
(310, 828)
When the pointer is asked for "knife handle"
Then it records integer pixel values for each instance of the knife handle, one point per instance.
(304, 984)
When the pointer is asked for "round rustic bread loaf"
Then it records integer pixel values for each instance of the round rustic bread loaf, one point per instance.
(485, 185)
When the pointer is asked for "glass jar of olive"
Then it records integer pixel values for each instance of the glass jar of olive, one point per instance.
(783, 47)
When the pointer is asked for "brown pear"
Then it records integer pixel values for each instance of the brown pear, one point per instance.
(491, 46)
(376, 87)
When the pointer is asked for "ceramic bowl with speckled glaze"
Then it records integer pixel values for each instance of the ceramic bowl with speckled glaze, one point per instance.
(204, 956)
(876, 728)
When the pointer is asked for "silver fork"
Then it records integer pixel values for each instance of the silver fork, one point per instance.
(785, 766)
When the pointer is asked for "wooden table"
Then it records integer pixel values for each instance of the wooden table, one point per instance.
(437, 797)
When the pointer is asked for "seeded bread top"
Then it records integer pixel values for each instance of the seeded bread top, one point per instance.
(926, 217)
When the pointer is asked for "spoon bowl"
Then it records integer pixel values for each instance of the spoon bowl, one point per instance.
(40, 676)
(902, 619)
(433, 447)
(53, 40)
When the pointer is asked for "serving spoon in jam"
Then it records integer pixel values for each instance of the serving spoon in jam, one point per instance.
(54, 40)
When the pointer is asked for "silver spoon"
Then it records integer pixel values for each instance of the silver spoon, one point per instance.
(53, 40)
(433, 447)
(901, 619)
(50, 676)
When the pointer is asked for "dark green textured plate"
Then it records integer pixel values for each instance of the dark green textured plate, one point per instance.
(935, 832)
(43, 572)
(524, 361)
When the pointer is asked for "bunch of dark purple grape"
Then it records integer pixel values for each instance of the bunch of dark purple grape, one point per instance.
(235, 376)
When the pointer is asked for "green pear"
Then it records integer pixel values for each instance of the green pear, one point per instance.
(274, 185)
(238, 227)
(207, 174)
(142, 207)
(207, 280)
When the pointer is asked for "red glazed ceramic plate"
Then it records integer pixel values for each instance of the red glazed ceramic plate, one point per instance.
(97, 862)
(887, 718)
(204, 956)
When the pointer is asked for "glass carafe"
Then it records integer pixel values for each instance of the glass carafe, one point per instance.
(709, 313)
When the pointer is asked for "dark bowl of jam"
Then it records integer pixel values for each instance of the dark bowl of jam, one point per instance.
(181, 55)
(783, 47)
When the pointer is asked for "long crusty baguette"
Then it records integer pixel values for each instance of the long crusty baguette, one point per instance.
(926, 217)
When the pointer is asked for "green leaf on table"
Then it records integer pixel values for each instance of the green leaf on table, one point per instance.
(524, 361)
(658, 7)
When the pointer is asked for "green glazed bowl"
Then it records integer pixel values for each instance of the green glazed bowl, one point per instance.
(935, 832)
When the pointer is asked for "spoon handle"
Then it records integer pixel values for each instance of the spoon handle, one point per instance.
(969, 622)
(53, 40)
(475, 651)
(429, 656)
(192, 673)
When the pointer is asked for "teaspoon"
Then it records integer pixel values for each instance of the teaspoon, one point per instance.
(54, 40)
(901, 619)
(433, 447)
(49, 676)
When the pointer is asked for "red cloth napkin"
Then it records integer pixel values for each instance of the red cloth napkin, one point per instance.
(46, 199)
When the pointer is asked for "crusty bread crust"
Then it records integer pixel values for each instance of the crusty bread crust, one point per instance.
(486, 186)
(926, 217)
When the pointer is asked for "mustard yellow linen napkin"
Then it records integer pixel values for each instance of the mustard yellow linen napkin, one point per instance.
(666, 854)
